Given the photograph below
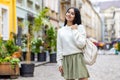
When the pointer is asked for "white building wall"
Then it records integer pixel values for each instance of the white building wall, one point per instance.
(23, 8)
(117, 23)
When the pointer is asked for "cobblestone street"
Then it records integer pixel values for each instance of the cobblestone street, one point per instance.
(107, 67)
(34, 33)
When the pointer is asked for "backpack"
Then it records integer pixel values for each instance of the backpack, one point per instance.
(90, 52)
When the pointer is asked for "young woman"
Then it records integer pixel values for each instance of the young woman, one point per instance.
(70, 40)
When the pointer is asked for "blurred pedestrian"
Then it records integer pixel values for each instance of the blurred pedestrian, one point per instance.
(70, 40)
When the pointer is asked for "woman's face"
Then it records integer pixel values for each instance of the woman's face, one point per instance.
(70, 15)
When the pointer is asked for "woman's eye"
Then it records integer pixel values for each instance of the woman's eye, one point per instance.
(68, 12)
(72, 13)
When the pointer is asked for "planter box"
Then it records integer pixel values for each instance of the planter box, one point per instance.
(7, 69)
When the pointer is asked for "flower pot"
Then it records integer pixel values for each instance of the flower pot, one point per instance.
(7, 69)
(27, 70)
(53, 58)
(41, 57)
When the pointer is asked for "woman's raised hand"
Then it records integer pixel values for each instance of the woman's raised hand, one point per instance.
(74, 26)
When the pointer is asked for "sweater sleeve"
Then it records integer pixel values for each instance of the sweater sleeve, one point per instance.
(79, 35)
(59, 49)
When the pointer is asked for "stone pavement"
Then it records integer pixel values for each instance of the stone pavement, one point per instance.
(107, 67)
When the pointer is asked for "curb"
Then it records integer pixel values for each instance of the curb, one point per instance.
(41, 63)
(37, 64)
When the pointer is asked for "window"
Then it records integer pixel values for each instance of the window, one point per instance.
(20, 2)
(4, 29)
(37, 8)
(30, 4)
(19, 33)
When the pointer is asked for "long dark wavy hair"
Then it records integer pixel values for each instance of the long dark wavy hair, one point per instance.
(77, 19)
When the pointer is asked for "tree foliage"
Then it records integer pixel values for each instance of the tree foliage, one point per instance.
(41, 19)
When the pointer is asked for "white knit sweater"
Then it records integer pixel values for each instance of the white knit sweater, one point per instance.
(69, 41)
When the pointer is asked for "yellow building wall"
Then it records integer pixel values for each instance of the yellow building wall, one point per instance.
(11, 4)
(0, 22)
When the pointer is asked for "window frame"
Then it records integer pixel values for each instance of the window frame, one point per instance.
(4, 30)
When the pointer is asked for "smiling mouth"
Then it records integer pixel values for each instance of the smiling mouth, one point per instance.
(68, 17)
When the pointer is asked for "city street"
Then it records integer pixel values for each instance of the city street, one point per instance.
(107, 67)
(35, 31)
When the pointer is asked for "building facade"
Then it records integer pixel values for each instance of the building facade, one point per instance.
(27, 9)
(116, 25)
(7, 18)
(91, 20)
(13, 12)
(111, 14)
(53, 14)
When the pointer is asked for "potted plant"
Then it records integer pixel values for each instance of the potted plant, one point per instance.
(39, 21)
(51, 41)
(9, 58)
(36, 48)
(24, 48)
(24, 43)
(27, 68)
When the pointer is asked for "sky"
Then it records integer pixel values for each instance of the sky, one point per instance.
(102, 0)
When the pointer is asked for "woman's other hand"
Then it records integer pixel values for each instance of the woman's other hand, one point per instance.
(61, 69)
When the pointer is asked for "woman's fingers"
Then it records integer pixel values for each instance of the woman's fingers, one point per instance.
(61, 69)
(74, 26)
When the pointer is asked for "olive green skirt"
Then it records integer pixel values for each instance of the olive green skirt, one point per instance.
(74, 67)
